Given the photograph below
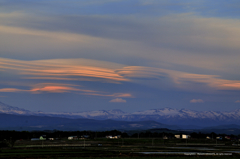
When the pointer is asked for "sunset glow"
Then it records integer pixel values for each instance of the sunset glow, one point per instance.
(128, 55)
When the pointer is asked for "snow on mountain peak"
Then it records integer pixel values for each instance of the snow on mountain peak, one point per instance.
(160, 112)
(4, 108)
(167, 115)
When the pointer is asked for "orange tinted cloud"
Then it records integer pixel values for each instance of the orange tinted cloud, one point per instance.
(62, 69)
(212, 81)
(56, 88)
(48, 87)
(122, 95)
(196, 101)
(179, 78)
(118, 100)
(83, 69)
(125, 95)
(10, 90)
(140, 72)
(230, 84)
(64, 88)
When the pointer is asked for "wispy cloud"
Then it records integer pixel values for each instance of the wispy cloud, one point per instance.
(11, 90)
(64, 88)
(185, 46)
(56, 88)
(196, 101)
(103, 94)
(179, 78)
(69, 69)
(64, 36)
(61, 69)
(47, 87)
(118, 100)
(161, 37)
(238, 101)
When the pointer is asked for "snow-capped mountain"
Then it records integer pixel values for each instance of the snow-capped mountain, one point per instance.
(6, 109)
(99, 115)
(189, 117)
(184, 113)
(165, 115)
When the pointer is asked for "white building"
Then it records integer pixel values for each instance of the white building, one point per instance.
(72, 137)
(177, 136)
(183, 136)
(113, 137)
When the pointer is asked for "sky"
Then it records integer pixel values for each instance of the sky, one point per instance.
(133, 55)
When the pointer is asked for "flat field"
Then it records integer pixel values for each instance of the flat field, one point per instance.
(121, 148)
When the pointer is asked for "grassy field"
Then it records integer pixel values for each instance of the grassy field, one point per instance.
(118, 149)
(88, 153)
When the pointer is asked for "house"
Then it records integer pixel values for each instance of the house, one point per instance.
(42, 138)
(85, 136)
(219, 137)
(113, 137)
(227, 137)
(183, 136)
(72, 138)
(109, 137)
(118, 136)
(34, 139)
(177, 136)
(165, 137)
(208, 137)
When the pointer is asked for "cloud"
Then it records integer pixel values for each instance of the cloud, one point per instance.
(118, 100)
(125, 95)
(179, 78)
(59, 36)
(141, 72)
(55, 88)
(47, 87)
(68, 69)
(165, 44)
(238, 101)
(100, 36)
(100, 71)
(196, 101)
(65, 88)
(11, 90)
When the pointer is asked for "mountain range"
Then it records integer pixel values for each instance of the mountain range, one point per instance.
(183, 118)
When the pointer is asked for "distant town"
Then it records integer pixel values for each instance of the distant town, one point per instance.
(114, 143)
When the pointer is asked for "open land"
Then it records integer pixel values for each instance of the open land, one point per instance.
(122, 148)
